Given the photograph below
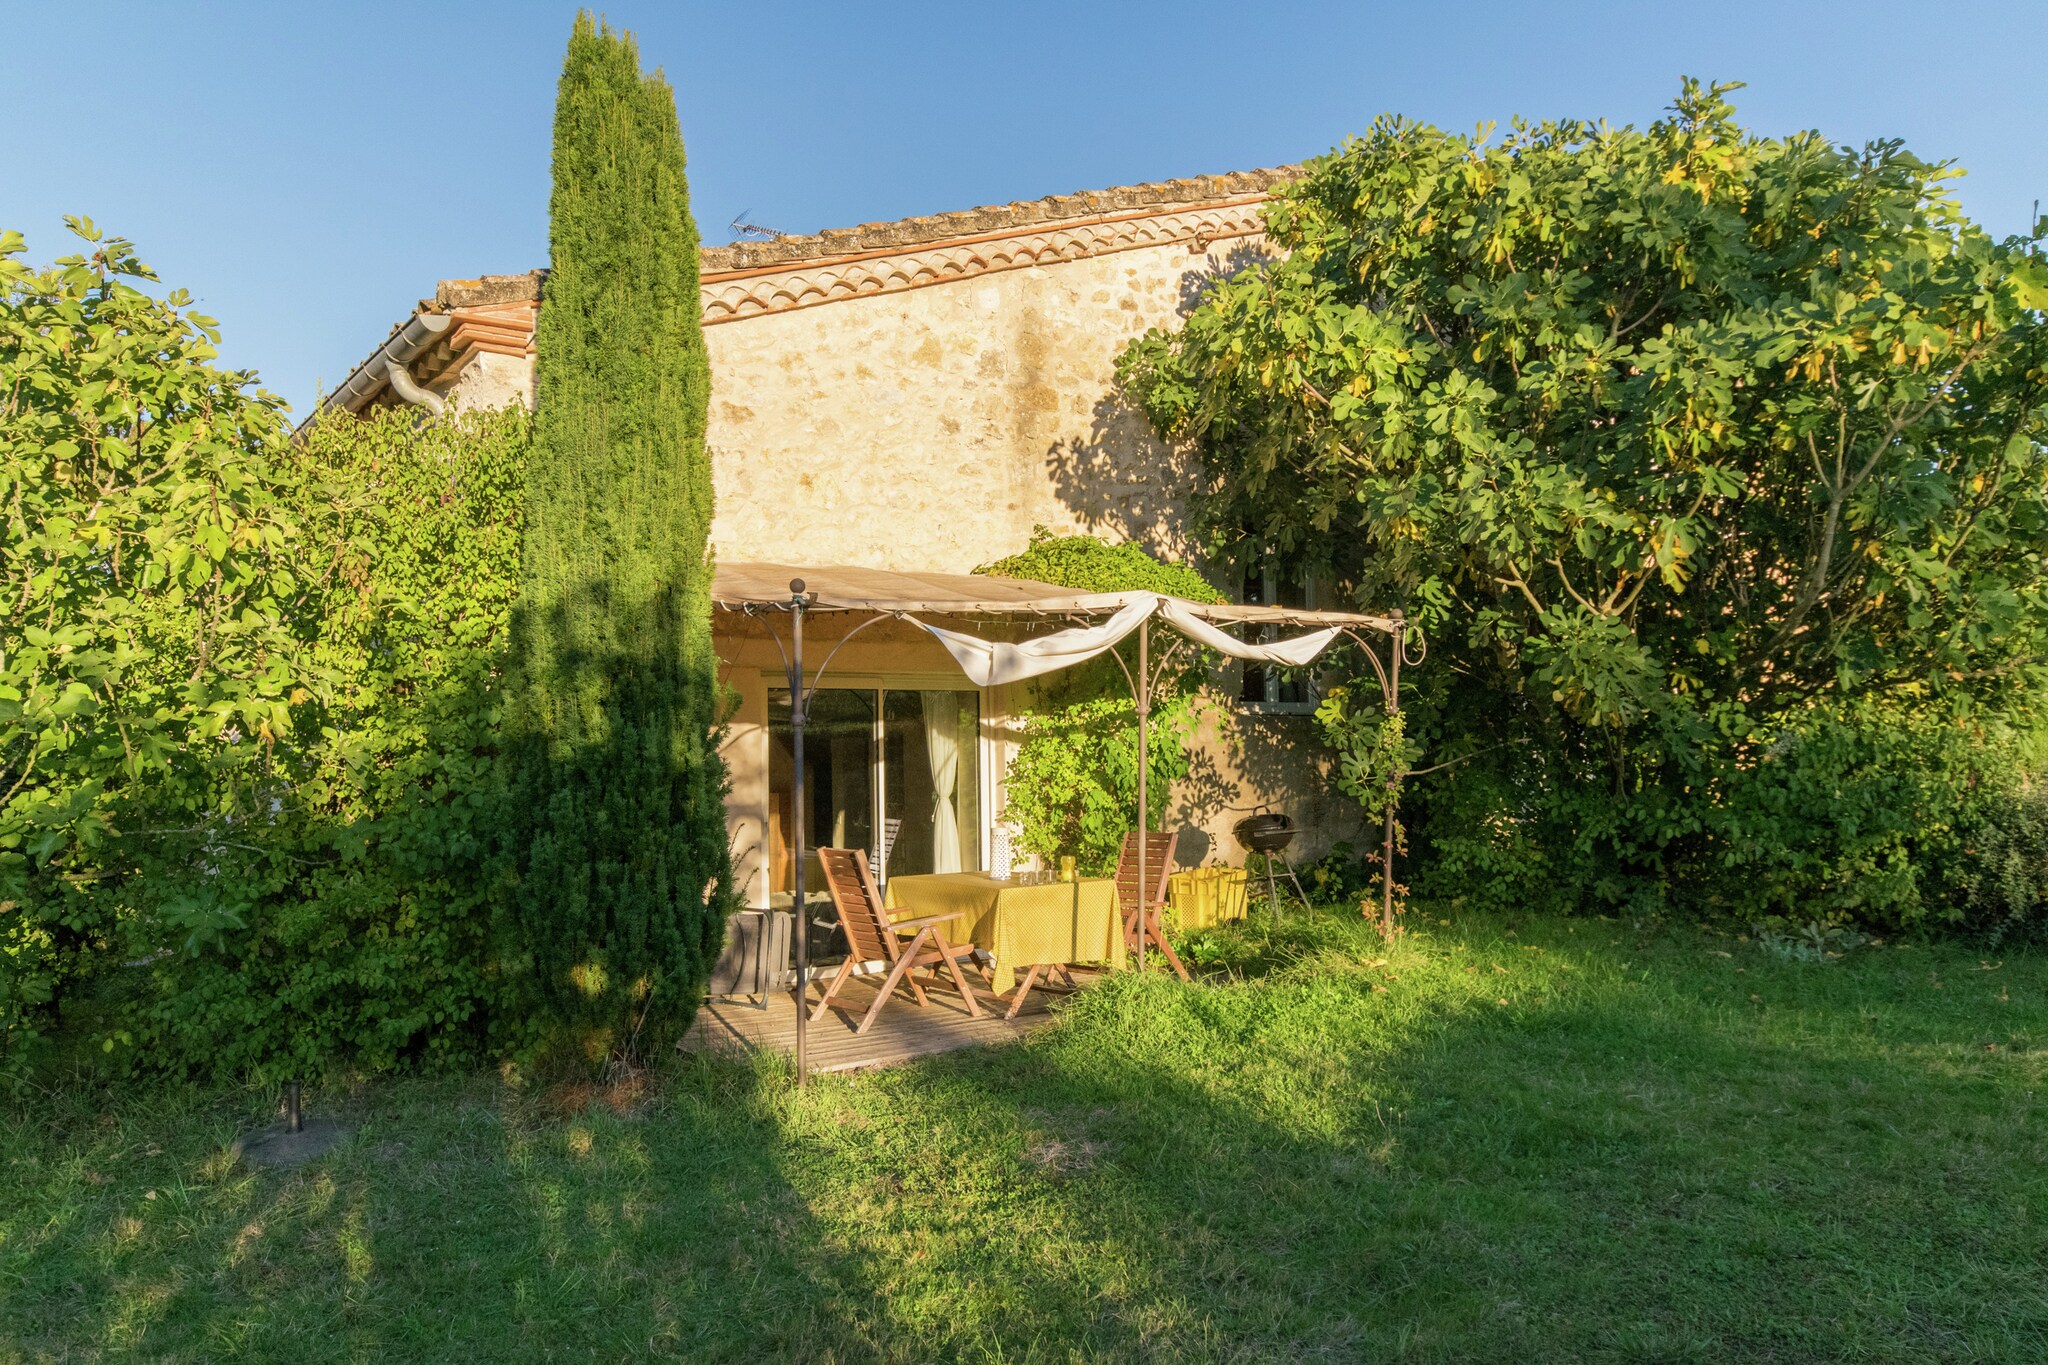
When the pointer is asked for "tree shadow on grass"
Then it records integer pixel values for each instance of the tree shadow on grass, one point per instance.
(463, 1221)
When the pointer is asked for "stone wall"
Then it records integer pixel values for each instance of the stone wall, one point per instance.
(932, 429)
(922, 408)
(491, 381)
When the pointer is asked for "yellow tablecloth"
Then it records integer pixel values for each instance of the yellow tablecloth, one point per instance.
(1206, 895)
(1018, 925)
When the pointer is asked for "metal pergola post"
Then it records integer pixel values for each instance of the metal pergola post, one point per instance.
(1144, 681)
(799, 714)
(800, 697)
(1387, 860)
(1141, 689)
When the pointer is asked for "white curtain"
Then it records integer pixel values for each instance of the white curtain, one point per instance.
(942, 744)
(992, 662)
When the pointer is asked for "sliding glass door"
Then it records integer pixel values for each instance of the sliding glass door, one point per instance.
(912, 755)
(931, 781)
(839, 763)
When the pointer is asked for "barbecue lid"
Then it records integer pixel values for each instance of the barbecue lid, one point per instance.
(1264, 831)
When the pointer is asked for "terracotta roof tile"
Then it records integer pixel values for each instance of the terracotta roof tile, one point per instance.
(994, 218)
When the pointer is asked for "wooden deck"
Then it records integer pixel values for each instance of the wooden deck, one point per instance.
(903, 1030)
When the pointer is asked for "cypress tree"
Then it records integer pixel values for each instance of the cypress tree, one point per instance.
(624, 877)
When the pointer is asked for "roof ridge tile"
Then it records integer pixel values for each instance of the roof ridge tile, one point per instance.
(920, 229)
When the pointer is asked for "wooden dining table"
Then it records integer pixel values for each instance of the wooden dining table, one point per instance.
(1019, 925)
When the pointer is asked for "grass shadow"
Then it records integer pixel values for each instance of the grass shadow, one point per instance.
(464, 1220)
(1587, 1154)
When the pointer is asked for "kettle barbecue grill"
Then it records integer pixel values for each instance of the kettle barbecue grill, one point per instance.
(1268, 833)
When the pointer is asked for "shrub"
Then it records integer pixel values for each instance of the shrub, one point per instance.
(1684, 446)
(2004, 877)
(1868, 813)
(1340, 877)
(1087, 564)
(148, 660)
(351, 923)
(1073, 783)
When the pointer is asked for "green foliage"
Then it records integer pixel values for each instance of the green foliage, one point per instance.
(1814, 942)
(1861, 812)
(354, 927)
(1086, 564)
(1875, 814)
(624, 883)
(148, 669)
(277, 791)
(1664, 436)
(1372, 750)
(2005, 877)
(1339, 877)
(1374, 757)
(1073, 783)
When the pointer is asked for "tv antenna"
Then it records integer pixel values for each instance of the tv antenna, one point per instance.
(752, 232)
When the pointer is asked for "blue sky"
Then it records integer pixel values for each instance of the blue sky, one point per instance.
(308, 171)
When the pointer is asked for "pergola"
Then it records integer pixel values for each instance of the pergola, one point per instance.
(1088, 626)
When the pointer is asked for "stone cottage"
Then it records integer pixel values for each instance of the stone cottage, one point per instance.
(916, 396)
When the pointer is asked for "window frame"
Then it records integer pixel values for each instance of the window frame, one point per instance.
(1271, 576)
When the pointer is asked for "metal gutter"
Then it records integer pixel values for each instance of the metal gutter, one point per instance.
(401, 381)
(420, 331)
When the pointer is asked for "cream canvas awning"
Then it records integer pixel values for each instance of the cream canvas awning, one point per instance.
(888, 592)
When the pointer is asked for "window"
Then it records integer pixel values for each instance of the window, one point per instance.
(1277, 581)
(911, 756)
(931, 782)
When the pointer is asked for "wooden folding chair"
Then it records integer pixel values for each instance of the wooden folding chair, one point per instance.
(1141, 905)
(872, 937)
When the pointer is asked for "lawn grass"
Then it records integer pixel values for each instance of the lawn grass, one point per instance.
(1499, 1140)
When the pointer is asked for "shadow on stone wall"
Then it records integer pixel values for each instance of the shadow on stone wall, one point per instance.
(1242, 760)
(1262, 759)
(1242, 256)
(1121, 480)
